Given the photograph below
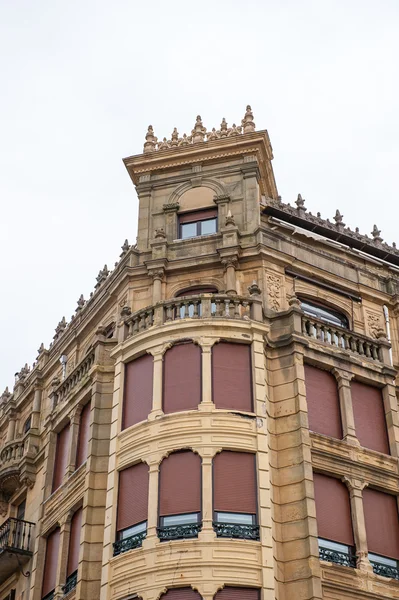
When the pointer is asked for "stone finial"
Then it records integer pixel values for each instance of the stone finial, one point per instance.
(160, 234)
(185, 141)
(234, 130)
(199, 131)
(5, 396)
(376, 234)
(125, 248)
(338, 218)
(150, 140)
(212, 135)
(81, 302)
(254, 289)
(293, 300)
(394, 245)
(248, 122)
(59, 329)
(175, 138)
(164, 145)
(229, 219)
(40, 350)
(101, 277)
(300, 202)
(223, 128)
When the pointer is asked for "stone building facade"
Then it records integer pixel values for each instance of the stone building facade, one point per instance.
(220, 418)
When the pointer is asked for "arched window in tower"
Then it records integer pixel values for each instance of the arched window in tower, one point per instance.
(180, 496)
(235, 495)
(182, 377)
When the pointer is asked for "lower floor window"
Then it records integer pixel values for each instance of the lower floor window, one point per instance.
(130, 538)
(387, 567)
(173, 527)
(236, 525)
(337, 553)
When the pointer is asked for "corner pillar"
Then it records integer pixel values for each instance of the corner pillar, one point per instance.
(356, 487)
(345, 401)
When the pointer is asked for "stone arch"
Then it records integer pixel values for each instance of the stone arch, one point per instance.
(215, 185)
(215, 282)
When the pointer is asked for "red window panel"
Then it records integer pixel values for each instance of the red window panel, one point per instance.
(182, 378)
(83, 438)
(51, 562)
(369, 414)
(74, 542)
(382, 525)
(61, 457)
(323, 402)
(232, 376)
(333, 511)
(137, 400)
(234, 482)
(180, 484)
(133, 496)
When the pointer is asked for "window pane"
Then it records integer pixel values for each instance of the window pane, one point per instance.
(180, 519)
(188, 230)
(208, 226)
(333, 546)
(240, 518)
(324, 314)
(390, 562)
(133, 530)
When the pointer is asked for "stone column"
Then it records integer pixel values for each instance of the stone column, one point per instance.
(157, 384)
(207, 533)
(11, 426)
(206, 401)
(230, 265)
(345, 401)
(391, 415)
(222, 202)
(37, 403)
(170, 211)
(356, 487)
(152, 518)
(65, 529)
(157, 278)
(73, 442)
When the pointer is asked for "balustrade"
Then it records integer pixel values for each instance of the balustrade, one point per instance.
(12, 452)
(16, 534)
(74, 377)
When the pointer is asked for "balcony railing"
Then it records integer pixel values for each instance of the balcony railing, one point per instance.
(205, 306)
(347, 559)
(385, 570)
(70, 583)
(129, 543)
(12, 452)
(178, 532)
(341, 338)
(16, 535)
(237, 531)
(74, 377)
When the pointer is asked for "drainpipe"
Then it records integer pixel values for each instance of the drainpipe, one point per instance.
(386, 315)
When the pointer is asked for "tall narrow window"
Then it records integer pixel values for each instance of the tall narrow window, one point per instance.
(182, 378)
(61, 457)
(132, 508)
(50, 564)
(323, 402)
(73, 552)
(137, 398)
(382, 529)
(232, 376)
(235, 495)
(369, 414)
(83, 437)
(334, 523)
(184, 593)
(180, 496)
(237, 593)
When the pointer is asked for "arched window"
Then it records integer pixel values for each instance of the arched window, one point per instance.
(324, 313)
(196, 291)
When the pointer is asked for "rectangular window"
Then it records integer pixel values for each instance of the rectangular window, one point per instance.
(197, 223)
(382, 524)
(181, 378)
(132, 511)
(61, 457)
(137, 396)
(50, 564)
(83, 437)
(369, 415)
(323, 402)
(232, 376)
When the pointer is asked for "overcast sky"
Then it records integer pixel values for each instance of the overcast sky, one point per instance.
(81, 80)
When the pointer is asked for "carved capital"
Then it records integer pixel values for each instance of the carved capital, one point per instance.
(230, 261)
(157, 274)
(343, 377)
(221, 199)
(172, 207)
(354, 485)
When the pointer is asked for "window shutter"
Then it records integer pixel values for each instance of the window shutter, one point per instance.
(234, 482)
(180, 484)
(50, 564)
(132, 496)
(83, 438)
(237, 593)
(232, 376)
(323, 402)
(199, 215)
(370, 421)
(185, 593)
(382, 526)
(74, 542)
(182, 378)
(137, 402)
(333, 511)
(61, 457)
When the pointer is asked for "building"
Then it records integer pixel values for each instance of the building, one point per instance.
(219, 419)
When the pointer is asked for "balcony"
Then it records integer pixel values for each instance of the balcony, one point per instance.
(17, 463)
(16, 542)
(204, 306)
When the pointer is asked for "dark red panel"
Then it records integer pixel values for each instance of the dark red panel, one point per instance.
(182, 378)
(133, 496)
(323, 402)
(199, 215)
(382, 526)
(232, 376)
(185, 593)
(180, 484)
(83, 438)
(137, 401)
(51, 562)
(61, 457)
(234, 482)
(237, 593)
(333, 511)
(74, 542)
(370, 421)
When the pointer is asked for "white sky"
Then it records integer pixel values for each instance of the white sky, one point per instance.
(81, 80)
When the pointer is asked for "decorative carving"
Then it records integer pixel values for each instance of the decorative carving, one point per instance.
(80, 303)
(300, 202)
(40, 350)
(126, 312)
(338, 218)
(157, 274)
(376, 235)
(125, 248)
(229, 222)
(374, 324)
(3, 508)
(199, 134)
(23, 373)
(229, 261)
(101, 277)
(5, 396)
(160, 234)
(254, 289)
(59, 330)
(293, 300)
(273, 291)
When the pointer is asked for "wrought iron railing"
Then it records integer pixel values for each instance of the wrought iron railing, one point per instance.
(178, 532)
(129, 543)
(16, 534)
(49, 596)
(70, 583)
(204, 306)
(341, 338)
(347, 559)
(385, 570)
(235, 530)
